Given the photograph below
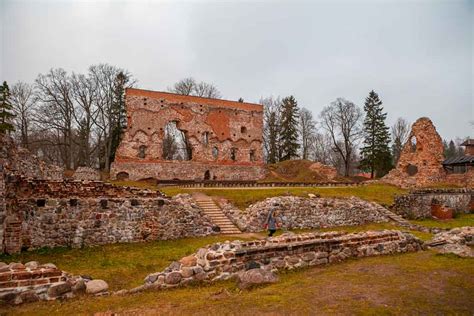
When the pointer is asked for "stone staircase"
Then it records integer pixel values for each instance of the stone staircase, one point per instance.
(211, 209)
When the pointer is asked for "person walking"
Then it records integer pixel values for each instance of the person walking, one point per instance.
(271, 223)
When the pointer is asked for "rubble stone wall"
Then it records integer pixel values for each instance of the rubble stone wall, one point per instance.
(224, 260)
(32, 282)
(417, 204)
(225, 138)
(420, 162)
(300, 213)
(26, 188)
(19, 161)
(86, 173)
(54, 222)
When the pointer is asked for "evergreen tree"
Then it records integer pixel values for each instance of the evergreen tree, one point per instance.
(119, 121)
(451, 150)
(6, 108)
(289, 129)
(375, 154)
(241, 100)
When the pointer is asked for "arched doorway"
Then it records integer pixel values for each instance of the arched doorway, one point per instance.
(207, 175)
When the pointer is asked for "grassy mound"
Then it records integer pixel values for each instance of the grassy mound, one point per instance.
(295, 171)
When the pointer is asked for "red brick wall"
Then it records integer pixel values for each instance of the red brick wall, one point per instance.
(229, 125)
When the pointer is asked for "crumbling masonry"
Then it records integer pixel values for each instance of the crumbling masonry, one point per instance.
(217, 139)
(421, 160)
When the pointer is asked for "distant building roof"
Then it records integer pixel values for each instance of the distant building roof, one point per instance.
(468, 142)
(459, 160)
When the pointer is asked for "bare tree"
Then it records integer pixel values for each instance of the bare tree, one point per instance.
(207, 90)
(56, 110)
(108, 80)
(400, 132)
(321, 148)
(189, 86)
(84, 92)
(342, 120)
(184, 86)
(271, 128)
(307, 129)
(23, 101)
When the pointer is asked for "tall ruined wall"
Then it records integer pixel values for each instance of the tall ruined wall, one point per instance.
(417, 204)
(214, 128)
(306, 213)
(421, 159)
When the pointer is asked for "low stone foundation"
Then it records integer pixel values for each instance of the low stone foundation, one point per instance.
(418, 203)
(458, 240)
(222, 261)
(33, 282)
(306, 213)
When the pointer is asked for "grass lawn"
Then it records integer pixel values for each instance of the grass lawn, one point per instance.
(243, 197)
(423, 282)
(415, 283)
(459, 221)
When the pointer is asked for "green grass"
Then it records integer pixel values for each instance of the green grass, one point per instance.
(121, 265)
(415, 283)
(243, 197)
(459, 221)
(423, 282)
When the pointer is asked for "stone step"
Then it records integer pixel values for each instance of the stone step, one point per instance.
(211, 209)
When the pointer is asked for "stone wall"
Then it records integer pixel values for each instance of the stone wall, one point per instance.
(26, 188)
(33, 282)
(19, 161)
(186, 170)
(420, 162)
(225, 138)
(78, 222)
(301, 213)
(225, 260)
(417, 204)
(86, 173)
(421, 159)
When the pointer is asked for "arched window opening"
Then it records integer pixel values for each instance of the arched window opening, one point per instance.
(252, 155)
(205, 138)
(175, 143)
(243, 129)
(233, 154)
(207, 175)
(142, 151)
(215, 152)
(413, 143)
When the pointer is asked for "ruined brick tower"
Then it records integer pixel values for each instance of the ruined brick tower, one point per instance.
(171, 137)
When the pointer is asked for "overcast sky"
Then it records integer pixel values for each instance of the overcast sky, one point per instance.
(417, 55)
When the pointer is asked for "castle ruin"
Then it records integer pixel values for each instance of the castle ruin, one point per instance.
(179, 137)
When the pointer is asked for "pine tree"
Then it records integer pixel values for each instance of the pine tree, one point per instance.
(289, 129)
(119, 121)
(375, 154)
(6, 108)
(451, 150)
